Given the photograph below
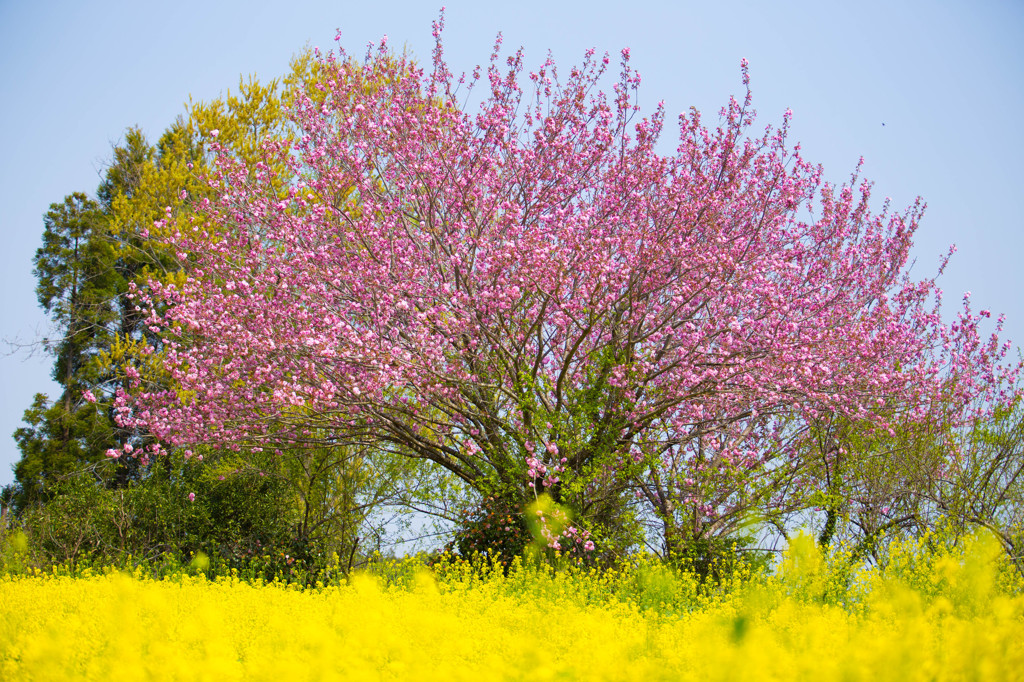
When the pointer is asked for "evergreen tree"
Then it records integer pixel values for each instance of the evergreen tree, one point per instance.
(77, 286)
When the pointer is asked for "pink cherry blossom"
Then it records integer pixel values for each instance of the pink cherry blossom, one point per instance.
(462, 284)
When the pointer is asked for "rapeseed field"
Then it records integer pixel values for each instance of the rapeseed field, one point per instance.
(955, 617)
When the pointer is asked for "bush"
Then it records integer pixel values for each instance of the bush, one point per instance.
(494, 530)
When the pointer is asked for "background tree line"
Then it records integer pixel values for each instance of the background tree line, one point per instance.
(74, 501)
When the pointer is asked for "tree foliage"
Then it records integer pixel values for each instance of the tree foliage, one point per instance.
(356, 292)
(308, 502)
(78, 285)
(534, 298)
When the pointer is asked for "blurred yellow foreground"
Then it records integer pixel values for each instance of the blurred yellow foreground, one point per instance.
(528, 625)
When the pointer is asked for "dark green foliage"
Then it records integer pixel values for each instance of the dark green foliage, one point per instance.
(78, 285)
(57, 441)
(716, 559)
(83, 268)
(494, 529)
(179, 511)
(244, 514)
(77, 281)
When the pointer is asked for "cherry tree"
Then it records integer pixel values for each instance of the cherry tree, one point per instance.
(528, 293)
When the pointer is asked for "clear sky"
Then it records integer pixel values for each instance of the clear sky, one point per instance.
(929, 93)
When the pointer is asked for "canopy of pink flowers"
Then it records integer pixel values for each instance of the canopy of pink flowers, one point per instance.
(521, 273)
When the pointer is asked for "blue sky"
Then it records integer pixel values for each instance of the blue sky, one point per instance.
(945, 78)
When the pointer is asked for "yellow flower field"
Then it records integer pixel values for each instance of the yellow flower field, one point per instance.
(529, 626)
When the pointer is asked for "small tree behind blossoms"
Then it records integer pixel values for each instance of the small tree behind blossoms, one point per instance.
(528, 294)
